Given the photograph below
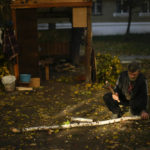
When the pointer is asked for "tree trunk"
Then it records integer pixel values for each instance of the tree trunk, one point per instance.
(129, 20)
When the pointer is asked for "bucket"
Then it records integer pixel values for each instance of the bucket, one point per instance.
(25, 78)
(9, 82)
(35, 82)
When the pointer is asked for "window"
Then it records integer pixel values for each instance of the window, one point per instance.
(97, 7)
(121, 8)
(145, 8)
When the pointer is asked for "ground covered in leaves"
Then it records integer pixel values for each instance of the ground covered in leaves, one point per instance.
(54, 103)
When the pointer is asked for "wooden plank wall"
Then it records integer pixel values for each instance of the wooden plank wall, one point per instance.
(54, 49)
(27, 39)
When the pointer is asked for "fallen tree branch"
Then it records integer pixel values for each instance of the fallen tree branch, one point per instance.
(73, 125)
(81, 119)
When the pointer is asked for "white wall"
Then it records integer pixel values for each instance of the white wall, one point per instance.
(107, 28)
(111, 28)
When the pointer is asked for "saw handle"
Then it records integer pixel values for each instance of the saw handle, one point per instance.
(111, 89)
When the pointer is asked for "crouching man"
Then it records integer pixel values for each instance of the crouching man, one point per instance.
(131, 90)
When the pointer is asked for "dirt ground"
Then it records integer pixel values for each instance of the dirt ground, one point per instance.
(54, 103)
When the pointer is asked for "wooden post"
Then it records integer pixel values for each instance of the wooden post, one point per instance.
(16, 65)
(16, 68)
(88, 46)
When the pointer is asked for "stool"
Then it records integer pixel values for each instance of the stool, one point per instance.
(46, 64)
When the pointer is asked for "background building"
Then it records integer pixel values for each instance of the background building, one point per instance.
(110, 17)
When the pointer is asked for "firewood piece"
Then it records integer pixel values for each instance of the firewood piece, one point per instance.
(24, 88)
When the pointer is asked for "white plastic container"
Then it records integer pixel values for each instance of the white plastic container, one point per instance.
(9, 82)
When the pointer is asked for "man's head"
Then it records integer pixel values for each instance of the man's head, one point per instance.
(133, 70)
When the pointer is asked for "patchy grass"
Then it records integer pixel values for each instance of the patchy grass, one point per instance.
(134, 44)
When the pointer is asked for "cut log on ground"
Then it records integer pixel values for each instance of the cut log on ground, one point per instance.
(73, 125)
(24, 88)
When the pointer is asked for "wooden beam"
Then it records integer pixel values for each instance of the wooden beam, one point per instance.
(55, 15)
(47, 1)
(51, 4)
(88, 46)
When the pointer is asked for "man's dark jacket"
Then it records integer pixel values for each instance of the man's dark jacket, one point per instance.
(133, 92)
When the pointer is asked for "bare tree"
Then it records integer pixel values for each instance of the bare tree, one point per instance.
(132, 5)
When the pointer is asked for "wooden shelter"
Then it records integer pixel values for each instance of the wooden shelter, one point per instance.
(24, 17)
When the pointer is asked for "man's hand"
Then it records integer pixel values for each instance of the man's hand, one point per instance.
(115, 97)
(144, 115)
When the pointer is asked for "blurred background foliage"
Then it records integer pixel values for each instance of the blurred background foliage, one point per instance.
(108, 68)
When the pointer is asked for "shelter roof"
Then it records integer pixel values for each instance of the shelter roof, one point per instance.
(18, 4)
